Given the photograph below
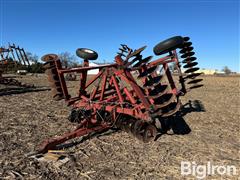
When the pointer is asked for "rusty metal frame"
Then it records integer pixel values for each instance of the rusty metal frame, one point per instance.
(101, 96)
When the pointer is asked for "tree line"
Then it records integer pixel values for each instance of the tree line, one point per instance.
(225, 69)
(69, 61)
(36, 66)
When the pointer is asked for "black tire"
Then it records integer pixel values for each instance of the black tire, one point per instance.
(86, 54)
(168, 45)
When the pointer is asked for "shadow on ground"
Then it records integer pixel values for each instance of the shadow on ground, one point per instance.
(177, 122)
(20, 90)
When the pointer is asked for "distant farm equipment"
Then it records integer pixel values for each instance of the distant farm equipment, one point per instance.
(13, 57)
(134, 94)
(71, 77)
(22, 72)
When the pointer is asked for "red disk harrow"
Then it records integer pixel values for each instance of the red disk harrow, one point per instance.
(132, 94)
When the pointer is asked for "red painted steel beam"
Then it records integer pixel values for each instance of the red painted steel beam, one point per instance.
(53, 142)
(94, 79)
(113, 79)
(103, 85)
(130, 97)
(79, 69)
(135, 111)
(84, 77)
(130, 80)
(166, 59)
(107, 93)
(92, 96)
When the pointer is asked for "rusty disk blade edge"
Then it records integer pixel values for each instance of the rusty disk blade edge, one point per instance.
(136, 52)
(153, 82)
(191, 70)
(188, 54)
(189, 59)
(159, 93)
(142, 62)
(187, 49)
(173, 111)
(190, 65)
(148, 72)
(167, 102)
(192, 76)
(187, 44)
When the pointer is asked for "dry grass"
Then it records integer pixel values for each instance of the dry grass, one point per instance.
(28, 118)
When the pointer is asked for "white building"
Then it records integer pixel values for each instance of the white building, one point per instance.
(209, 71)
(93, 71)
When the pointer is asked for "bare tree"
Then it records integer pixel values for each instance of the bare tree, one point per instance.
(35, 65)
(226, 70)
(32, 57)
(67, 59)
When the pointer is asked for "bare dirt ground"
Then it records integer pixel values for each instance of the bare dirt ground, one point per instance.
(28, 118)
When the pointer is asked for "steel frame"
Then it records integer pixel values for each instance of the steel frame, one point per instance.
(138, 106)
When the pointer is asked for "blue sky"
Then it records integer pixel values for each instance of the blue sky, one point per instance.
(56, 26)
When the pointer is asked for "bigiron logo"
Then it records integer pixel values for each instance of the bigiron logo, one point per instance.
(204, 170)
